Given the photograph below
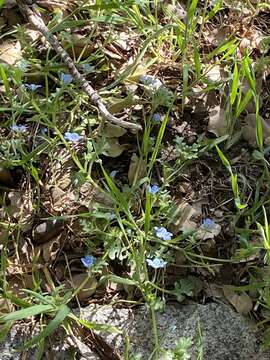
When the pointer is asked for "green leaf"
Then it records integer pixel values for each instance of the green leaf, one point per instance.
(197, 60)
(62, 313)
(25, 313)
(235, 81)
(234, 185)
(229, 45)
(118, 280)
(223, 158)
(259, 131)
(4, 77)
(244, 103)
(100, 327)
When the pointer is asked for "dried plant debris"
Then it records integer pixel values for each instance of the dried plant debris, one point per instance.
(134, 162)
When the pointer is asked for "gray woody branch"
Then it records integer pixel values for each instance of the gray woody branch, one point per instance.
(39, 24)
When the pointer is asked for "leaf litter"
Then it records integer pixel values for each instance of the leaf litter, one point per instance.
(55, 209)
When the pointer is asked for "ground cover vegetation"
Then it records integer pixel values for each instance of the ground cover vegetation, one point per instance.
(169, 204)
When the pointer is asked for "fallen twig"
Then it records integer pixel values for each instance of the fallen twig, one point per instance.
(36, 20)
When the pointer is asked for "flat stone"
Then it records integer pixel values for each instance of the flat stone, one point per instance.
(225, 335)
(215, 330)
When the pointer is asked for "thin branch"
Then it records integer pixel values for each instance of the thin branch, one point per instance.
(36, 20)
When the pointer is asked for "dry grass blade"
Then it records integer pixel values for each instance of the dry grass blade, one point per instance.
(34, 18)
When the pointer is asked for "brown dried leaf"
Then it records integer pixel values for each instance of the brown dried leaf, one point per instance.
(137, 169)
(89, 287)
(217, 121)
(249, 129)
(50, 250)
(113, 148)
(181, 219)
(242, 303)
(10, 52)
(113, 131)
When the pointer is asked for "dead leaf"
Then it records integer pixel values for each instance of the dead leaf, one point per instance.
(249, 129)
(181, 217)
(217, 121)
(117, 105)
(113, 131)
(50, 250)
(81, 46)
(89, 287)
(217, 36)
(137, 169)
(251, 106)
(6, 177)
(214, 74)
(113, 148)
(6, 306)
(205, 233)
(242, 303)
(10, 52)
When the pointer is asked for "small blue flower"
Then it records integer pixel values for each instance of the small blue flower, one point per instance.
(113, 173)
(32, 87)
(151, 82)
(73, 137)
(156, 263)
(66, 78)
(157, 117)
(87, 68)
(88, 260)
(208, 224)
(44, 131)
(163, 233)
(153, 189)
(18, 128)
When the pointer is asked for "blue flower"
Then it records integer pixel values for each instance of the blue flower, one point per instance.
(44, 131)
(18, 128)
(151, 81)
(153, 189)
(113, 173)
(88, 260)
(87, 68)
(156, 263)
(208, 224)
(66, 78)
(73, 137)
(163, 233)
(32, 87)
(157, 117)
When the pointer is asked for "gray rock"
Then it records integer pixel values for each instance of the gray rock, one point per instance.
(215, 330)
(225, 335)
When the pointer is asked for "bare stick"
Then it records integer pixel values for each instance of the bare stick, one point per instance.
(39, 24)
